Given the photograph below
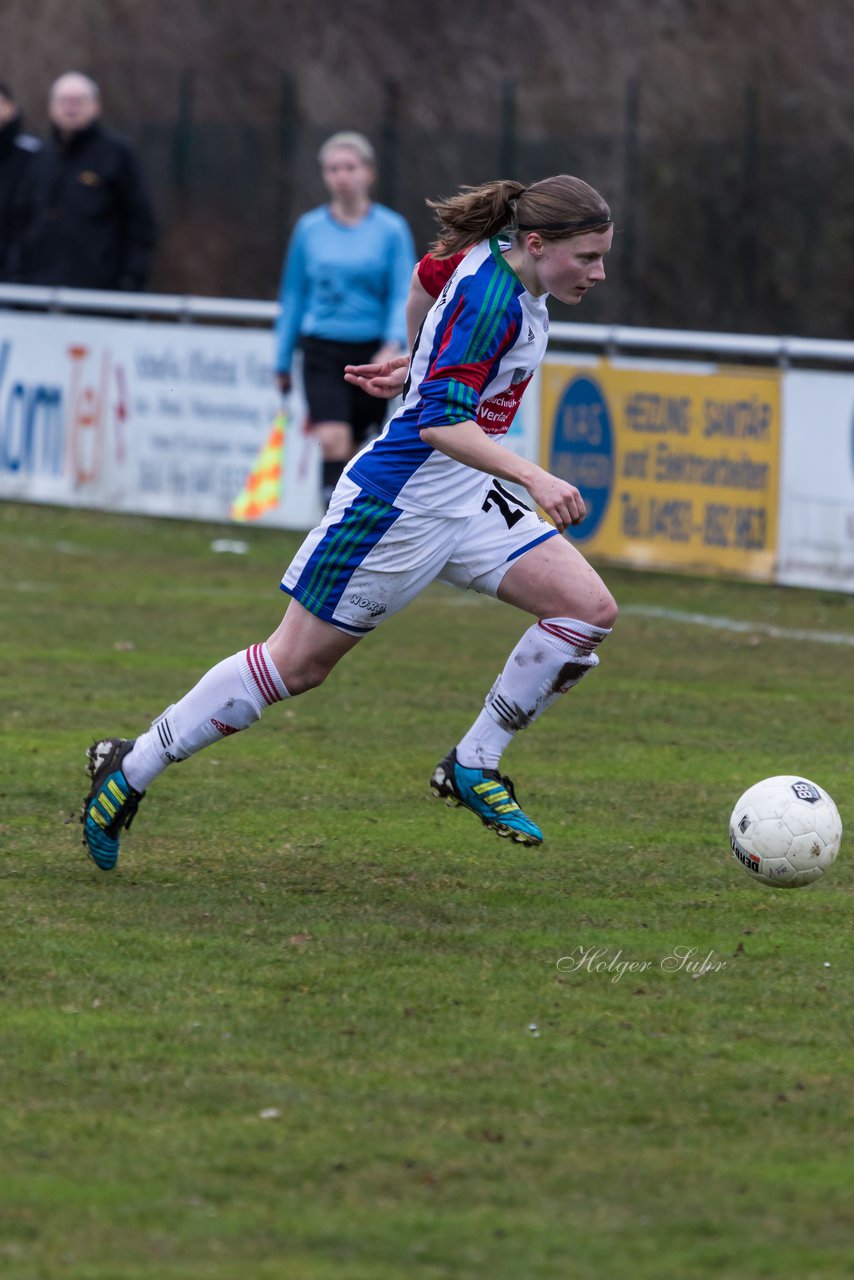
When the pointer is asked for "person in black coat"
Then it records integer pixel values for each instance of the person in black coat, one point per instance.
(16, 153)
(84, 216)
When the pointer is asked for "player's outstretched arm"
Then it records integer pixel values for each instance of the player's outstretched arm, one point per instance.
(384, 377)
(384, 380)
(465, 442)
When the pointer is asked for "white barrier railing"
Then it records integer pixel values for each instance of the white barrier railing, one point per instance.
(161, 306)
(610, 338)
(780, 350)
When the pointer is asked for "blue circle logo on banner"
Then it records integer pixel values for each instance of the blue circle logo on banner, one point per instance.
(582, 449)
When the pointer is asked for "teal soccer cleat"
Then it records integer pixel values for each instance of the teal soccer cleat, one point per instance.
(111, 803)
(487, 794)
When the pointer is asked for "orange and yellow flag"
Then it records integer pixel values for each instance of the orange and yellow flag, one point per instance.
(263, 487)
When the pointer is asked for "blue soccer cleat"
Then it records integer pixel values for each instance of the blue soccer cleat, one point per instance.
(487, 794)
(111, 803)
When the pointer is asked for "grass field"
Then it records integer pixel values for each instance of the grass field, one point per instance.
(314, 1026)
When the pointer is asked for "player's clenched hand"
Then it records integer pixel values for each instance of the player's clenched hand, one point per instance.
(559, 499)
(383, 380)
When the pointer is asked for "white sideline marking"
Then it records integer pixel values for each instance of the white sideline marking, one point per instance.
(736, 624)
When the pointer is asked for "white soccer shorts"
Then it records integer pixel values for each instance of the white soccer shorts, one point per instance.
(368, 559)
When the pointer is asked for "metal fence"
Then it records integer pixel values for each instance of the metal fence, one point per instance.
(737, 233)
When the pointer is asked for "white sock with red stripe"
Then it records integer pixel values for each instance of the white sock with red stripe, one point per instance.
(551, 658)
(230, 697)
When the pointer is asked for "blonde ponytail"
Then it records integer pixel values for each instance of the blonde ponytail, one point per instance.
(474, 215)
(556, 207)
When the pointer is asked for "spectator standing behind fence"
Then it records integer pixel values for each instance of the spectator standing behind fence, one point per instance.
(343, 300)
(84, 217)
(17, 150)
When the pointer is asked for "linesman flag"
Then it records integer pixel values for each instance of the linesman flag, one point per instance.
(263, 487)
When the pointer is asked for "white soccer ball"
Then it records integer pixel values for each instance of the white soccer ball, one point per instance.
(785, 831)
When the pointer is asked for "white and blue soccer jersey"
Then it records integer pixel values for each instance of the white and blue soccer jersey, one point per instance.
(405, 513)
(475, 354)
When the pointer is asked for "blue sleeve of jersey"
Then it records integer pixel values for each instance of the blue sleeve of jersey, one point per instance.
(291, 300)
(481, 322)
(402, 261)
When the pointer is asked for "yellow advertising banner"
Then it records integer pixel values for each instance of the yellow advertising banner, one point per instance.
(677, 469)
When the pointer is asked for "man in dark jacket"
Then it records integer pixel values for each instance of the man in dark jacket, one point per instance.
(16, 152)
(84, 216)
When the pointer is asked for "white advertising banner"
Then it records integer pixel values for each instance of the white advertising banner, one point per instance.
(158, 419)
(816, 522)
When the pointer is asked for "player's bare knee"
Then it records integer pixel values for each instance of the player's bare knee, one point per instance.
(604, 611)
(298, 672)
(598, 609)
(308, 674)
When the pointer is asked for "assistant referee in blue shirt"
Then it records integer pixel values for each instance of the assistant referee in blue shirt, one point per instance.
(343, 297)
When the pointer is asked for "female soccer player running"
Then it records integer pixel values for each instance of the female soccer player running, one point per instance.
(425, 501)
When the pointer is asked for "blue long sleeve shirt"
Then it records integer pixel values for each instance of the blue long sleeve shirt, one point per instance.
(345, 283)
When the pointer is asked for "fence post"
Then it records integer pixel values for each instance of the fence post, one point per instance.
(389, 142)
(749, 206)
(631, 199)
(183, 140)
(507, 138)
(286, 150)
